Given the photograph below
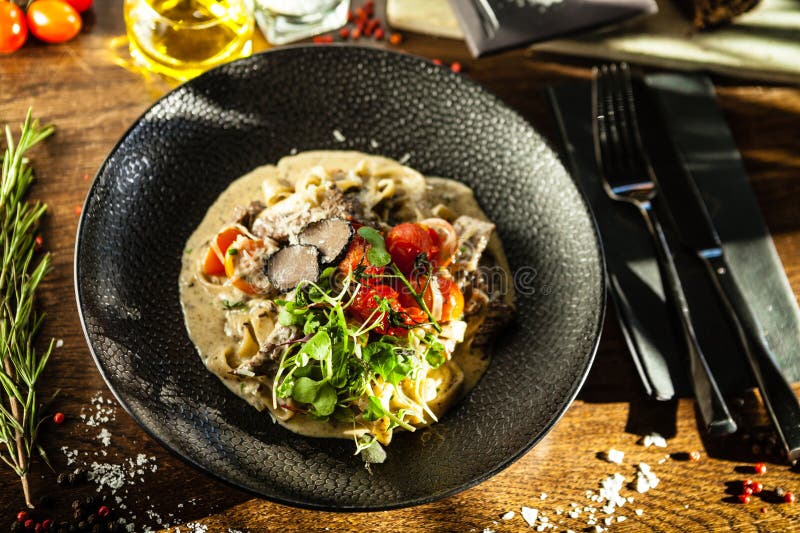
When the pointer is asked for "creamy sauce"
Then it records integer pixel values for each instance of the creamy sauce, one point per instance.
(207, 320)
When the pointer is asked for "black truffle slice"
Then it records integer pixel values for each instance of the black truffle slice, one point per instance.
(331, 236)
(290, 265)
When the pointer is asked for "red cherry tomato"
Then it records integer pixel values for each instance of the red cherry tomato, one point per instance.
(80, 5)
(13, 29)
(53, 21)
(357, 257)
(406, 241)
(452, 304)
(446, 239)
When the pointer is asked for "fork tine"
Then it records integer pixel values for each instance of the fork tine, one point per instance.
(615, 152)
(621, 123)
(602, 137)
(627, 88)
(629, 122)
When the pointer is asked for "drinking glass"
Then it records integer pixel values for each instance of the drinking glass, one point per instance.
(285, 21)
(182, 38)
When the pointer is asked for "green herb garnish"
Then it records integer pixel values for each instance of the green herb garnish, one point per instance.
(336, 364)
(20, 276)
(229, 306)
(377, 253)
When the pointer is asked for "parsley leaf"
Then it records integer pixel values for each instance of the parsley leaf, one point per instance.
(325, 402)
(322, 396)
(228, 305)
(305, 389)
(435, 353)
(374, 409)
(387, 362)
(290, 314)
(318, 347)
(377, 254)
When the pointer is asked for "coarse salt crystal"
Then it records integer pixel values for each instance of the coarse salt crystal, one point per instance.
(621, 518)
(509, 515)
(373, 143)
(338, 136)
(104, 436)
(59, 343)
(614, 456)
(639, 512)
(543, 496)
(529, 515)
(488, 530)
(653, 439)
(645, 478)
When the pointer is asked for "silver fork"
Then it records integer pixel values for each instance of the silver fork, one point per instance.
(628, 177)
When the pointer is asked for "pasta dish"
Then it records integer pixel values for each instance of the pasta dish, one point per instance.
(346, 294)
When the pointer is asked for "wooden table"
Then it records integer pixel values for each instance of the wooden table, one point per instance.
(92, 101)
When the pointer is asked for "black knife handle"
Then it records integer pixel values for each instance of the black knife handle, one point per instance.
(777, 394)
(716, 417)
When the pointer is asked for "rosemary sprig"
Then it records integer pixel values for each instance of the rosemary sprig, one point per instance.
(20, 415)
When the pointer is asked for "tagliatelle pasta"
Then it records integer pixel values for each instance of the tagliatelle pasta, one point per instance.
(345, 294)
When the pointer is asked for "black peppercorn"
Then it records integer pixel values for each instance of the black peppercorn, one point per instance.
(72, 528)
(79, 514)
(76, 504)
(83, 526)
(91, 519)
(62, 479)
(90, 502)
(97, 528)
(16, 526)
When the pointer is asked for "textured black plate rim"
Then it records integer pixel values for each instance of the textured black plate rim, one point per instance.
(588, 359)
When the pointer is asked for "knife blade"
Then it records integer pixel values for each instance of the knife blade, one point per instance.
(697, 231)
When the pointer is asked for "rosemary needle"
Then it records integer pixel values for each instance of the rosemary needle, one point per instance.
(20, 276)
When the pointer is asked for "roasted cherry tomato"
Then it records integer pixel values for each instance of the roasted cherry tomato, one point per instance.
(80, 5)
(406, 241)
(357, 257)
(238, 252)
(13, 28)
(451, 305)
(213, 266)
(53, 21)
(444, 237)
(453, 300)
(401, 320)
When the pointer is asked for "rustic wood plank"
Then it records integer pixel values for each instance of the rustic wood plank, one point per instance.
(93, 101)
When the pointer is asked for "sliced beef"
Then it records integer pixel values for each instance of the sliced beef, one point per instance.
(473, 237)
(331, 236)
(246, 215)
(288, 217)
(265, 361)
(283, 219)
(290, 265)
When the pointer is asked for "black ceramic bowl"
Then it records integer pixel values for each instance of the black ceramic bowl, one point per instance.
(155, 186)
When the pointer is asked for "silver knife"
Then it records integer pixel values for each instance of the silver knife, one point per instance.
(697, 231)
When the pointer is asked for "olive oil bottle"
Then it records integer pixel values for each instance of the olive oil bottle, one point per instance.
(182, 38)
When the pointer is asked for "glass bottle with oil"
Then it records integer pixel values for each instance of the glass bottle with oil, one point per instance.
(182, 38)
